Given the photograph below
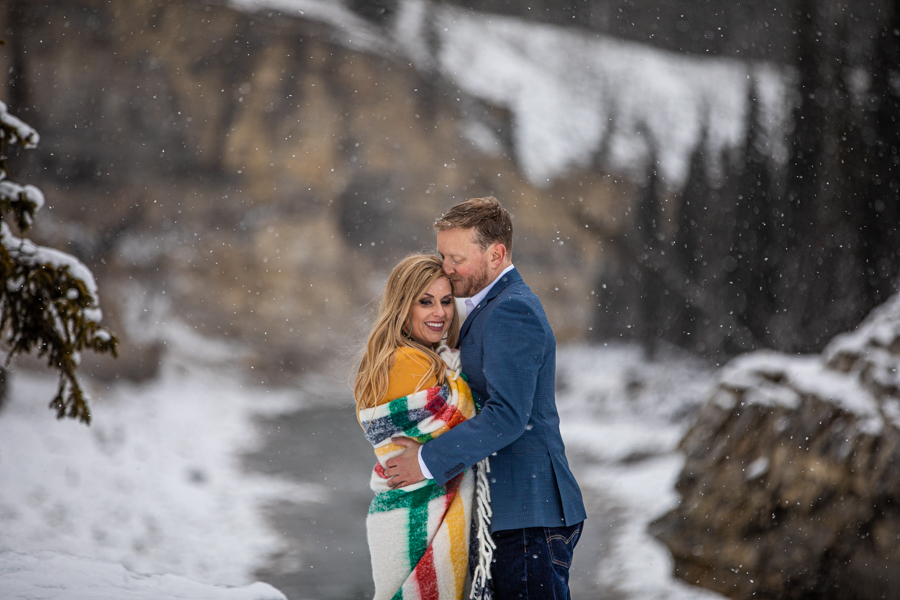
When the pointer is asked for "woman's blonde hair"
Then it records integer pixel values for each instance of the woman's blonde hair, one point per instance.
(408, 281)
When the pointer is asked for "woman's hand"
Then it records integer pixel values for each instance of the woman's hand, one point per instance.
(403, 470)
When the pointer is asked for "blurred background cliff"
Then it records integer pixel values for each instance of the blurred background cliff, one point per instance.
(720, 178)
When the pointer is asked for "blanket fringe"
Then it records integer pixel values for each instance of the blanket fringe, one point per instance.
(481, 588)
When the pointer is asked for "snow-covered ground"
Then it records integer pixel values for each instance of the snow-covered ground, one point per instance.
(621, 419)
(51, 576)
(156, 484)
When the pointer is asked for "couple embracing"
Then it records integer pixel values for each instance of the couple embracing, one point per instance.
(472, 477)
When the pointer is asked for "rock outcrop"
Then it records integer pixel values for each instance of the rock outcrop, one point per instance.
(256, 174)
(791, 485)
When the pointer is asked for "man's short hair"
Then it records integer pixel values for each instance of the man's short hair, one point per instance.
(491, 222)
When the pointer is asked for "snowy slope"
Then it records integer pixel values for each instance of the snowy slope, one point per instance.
(573, 95)
(622, 416)
(155, 483)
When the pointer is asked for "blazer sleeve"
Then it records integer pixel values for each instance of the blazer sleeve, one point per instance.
(514, 340)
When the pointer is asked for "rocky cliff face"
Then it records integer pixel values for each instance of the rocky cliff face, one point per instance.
(791, 487)
(255, 175)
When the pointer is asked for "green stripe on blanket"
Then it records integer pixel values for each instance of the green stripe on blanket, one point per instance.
(400, 417)
(417, 533)
(386, 501)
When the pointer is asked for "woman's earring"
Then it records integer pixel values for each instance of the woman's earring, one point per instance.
(408, 334)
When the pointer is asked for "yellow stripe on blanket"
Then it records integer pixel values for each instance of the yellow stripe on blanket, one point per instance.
(387, 448)
(458, 528)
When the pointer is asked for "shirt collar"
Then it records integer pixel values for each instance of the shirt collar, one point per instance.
(477, 298)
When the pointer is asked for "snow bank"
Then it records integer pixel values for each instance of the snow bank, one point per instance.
(155, 484)
(50, 576)
(627, 414)
(640, 567)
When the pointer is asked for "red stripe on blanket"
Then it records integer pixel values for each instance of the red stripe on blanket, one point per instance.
(436, 403)
(455, 419)
(426, 577)
(379, 470)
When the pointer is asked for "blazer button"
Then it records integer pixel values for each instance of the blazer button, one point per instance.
(454, 470)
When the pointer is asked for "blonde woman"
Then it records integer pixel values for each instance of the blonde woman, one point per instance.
(408, 391)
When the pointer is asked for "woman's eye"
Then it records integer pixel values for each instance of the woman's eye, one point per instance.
(447, 302)
(425, 302)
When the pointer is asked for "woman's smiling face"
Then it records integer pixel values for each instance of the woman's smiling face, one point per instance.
(431, 313)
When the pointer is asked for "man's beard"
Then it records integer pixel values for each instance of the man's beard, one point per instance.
(468, 287)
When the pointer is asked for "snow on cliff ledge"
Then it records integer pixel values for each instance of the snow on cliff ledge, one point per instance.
(572, 94)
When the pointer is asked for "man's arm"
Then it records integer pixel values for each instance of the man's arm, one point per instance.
(514, 345)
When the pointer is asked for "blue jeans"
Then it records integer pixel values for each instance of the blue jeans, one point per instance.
(533, 563)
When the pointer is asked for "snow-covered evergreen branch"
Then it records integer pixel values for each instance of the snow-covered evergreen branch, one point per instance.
(48, 299)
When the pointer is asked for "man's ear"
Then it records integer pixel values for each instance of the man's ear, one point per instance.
(498, 254)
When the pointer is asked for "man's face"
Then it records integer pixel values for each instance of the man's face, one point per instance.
(465, 263)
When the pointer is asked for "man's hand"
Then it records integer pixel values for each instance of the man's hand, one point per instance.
(403, 470)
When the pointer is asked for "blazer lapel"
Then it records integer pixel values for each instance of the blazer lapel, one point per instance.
(502, 283)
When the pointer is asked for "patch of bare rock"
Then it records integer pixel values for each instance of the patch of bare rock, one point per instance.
(791, 484)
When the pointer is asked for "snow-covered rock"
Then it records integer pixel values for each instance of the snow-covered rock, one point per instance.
(791, 485)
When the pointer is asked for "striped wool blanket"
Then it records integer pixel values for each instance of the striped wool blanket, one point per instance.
(419, 535)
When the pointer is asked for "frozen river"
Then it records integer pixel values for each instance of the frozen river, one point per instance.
(327, 539)
(621, 419)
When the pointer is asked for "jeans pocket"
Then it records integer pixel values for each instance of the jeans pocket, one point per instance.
(561, 543)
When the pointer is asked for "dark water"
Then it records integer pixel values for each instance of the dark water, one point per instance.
(328, 557)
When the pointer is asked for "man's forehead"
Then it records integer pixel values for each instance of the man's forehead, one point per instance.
(457, 235)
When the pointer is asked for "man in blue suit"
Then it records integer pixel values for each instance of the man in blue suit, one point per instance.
(508, 353)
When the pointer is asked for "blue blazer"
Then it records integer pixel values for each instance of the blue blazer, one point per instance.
(509, 356)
